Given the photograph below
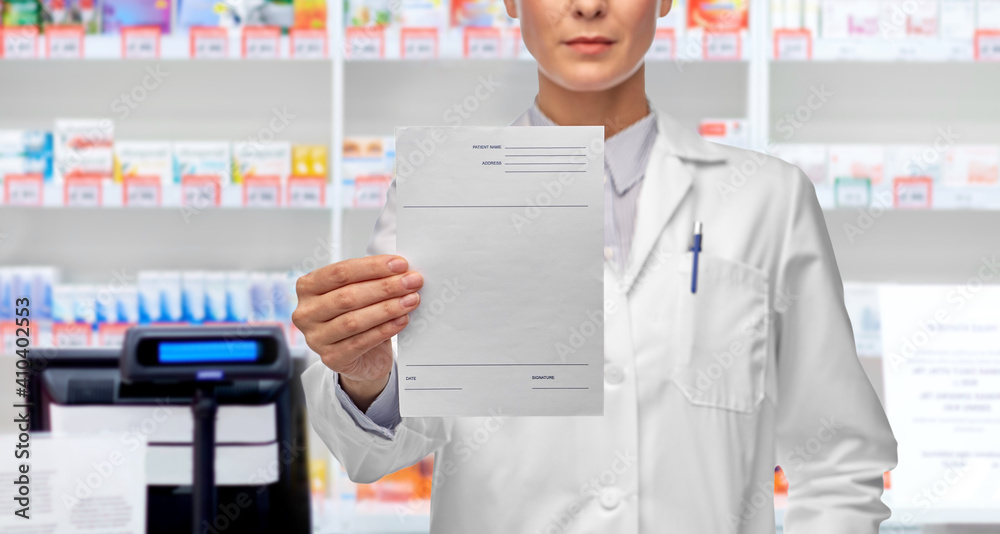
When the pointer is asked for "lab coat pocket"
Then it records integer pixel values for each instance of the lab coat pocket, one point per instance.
(722, 333)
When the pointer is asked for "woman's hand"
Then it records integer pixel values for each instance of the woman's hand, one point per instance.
(349, 310)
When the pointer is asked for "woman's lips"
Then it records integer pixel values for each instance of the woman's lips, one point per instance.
(590, 45)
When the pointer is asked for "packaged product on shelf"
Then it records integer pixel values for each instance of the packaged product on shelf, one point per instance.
(810, 16)
(235, 14)
(21, 13)
(237, 297)
(958, 19)
(857, 161)
(170, 297)
(367, 12)
(127, 298)
(811, 158)
(972, 165)
(261, 298)
(732, 132)
(916, 19)
(718, 15)
(196, 13)
(144, 158)
(479, 13)
(842, 19)
(914, 161)
(988, 16)
(282, 289)
(85, 304)
(310, 14)
(64, 303)
(262, 159)
(117, 14)
(193, 296)
(310, 161)
(35, 283)
(423, 13)
(71, 12)
(83, 146)
(26, 164)
(215, 296)
(201, 158)
(149, 296)
(20, 142)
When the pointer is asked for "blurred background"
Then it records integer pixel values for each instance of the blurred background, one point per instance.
(184, 161)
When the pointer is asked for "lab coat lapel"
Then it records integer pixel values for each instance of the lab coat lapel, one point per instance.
(670, 177)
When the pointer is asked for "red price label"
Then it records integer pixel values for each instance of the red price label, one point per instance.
(261, 191)
(722, 45)
(141, 42)
(261, 42)
(23, 189)
(64, 42)
(82, 191)
(209, 42)
(913, 193)
(112, 334)
(309, 44)
(19, 42)
(664, 46)
(306, 192)
(795, 45)
(988, 45)
(365, 43)
(481, 43)
(418, 43)
(141, 191)
(71, 334)
(201, 190)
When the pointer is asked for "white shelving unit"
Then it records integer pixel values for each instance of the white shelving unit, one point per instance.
(877, 85)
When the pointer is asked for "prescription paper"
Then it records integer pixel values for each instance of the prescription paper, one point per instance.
(506, 226)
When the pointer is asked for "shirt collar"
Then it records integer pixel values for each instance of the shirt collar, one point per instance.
(626, 153)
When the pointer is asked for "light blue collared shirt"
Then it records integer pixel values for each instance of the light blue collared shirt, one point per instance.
(626, 155)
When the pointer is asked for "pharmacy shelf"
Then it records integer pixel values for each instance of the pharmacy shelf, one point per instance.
(879, 50)
(942, 198)
(422, 44)
(370, 517)
(178, 46)
(177, 196)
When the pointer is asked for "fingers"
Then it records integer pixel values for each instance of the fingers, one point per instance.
(362, 320)
(345, 353)
(323, 308)
(343, 273)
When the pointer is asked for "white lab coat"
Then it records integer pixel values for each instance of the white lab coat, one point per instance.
(704, 394)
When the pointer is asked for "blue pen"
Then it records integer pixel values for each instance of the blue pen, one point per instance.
(696, 248)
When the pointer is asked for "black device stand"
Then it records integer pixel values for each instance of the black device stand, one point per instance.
(204, 407)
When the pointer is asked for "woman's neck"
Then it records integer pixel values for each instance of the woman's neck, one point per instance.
(615, 109)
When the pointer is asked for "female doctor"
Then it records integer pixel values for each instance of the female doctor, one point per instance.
(704, 393)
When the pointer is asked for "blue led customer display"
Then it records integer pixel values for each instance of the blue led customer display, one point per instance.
(194, 352)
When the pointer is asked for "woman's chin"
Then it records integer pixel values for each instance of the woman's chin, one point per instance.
(592, 77)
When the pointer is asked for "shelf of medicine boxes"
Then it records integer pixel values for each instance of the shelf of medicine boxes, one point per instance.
(799, 45)
(934, 106)
(311, 45)
(396, 43)
(293, 193)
